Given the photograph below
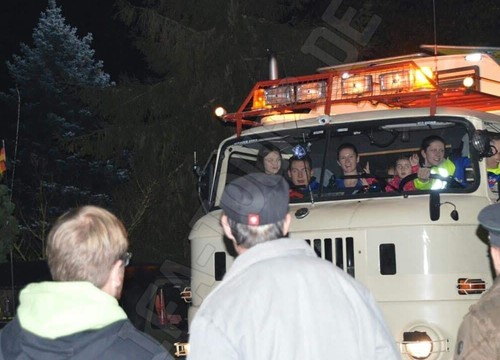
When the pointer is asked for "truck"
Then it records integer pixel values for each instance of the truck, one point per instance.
(421, 253)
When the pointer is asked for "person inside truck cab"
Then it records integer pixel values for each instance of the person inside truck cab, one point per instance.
(405, 165)
(493, 163)
(435, 162)
(269, 160)
(348, 160)
(301, 176)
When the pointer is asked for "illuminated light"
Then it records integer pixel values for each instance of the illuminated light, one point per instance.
(398, 80)
(311, 91)
(423, 341)
(467, 286)
(468, 82)
(418, 344)
(283, 118)
(356, 85)
(253, 219)
(187, 295)
(422, 78)
(220, 111)
(346, 76)
(299, 151)
(259, 99)
(181, 349)
(473, 57)
(279, 95)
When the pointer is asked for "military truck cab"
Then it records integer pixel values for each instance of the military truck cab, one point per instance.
(419, 251)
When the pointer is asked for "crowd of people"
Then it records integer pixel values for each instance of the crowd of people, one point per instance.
(267, 305)
(430, 169)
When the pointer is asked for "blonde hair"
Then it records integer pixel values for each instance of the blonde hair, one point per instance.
(84, 244)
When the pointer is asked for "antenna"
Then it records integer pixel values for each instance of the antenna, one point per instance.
(433, 98)
(273, 65)
(435, 31)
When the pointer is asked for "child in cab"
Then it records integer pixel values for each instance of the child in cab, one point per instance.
(404, 166)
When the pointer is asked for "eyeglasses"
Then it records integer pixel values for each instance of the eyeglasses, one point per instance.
(126, 258)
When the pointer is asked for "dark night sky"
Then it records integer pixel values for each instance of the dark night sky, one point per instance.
(113, 44)
(111, 41)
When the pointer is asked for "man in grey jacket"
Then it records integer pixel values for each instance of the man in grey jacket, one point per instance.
(77, 316)
(279, 300)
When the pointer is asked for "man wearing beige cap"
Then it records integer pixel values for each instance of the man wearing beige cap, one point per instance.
(479, 335)
(279, 300)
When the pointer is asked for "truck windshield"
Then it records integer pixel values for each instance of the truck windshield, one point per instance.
(359, 159)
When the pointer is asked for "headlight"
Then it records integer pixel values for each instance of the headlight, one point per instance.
(418, 344)
(423, 342)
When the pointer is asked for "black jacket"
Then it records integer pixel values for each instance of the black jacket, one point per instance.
(120, 340)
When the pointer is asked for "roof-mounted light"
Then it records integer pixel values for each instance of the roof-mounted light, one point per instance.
(311, 91)
(357, 85)
(288, 94)
(423, 75)
(475, 57)
(259, 99)
(275, 95)
(279, 95)
(394, 81)
(220, 111)
(468, 82)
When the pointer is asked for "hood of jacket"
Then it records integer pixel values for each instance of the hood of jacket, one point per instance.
(56, 309)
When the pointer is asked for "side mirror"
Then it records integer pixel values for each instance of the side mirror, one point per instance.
(205, 183)
(481, 142)
(435, 205)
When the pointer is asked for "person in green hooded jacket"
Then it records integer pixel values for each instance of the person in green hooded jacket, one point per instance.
(77, 316)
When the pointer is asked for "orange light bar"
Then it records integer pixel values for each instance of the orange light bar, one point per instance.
(467, 286)
(422, 77)
(259, 99)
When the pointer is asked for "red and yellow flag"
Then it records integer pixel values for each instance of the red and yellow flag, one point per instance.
(3, 166)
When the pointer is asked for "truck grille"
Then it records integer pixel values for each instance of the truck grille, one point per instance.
(339, 251)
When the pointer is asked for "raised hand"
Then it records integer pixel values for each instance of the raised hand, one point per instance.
(414, 160)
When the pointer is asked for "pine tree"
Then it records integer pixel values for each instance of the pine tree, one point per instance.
(50, 74)
(51, 176)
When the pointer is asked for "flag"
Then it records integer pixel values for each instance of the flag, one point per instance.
(3, 166)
